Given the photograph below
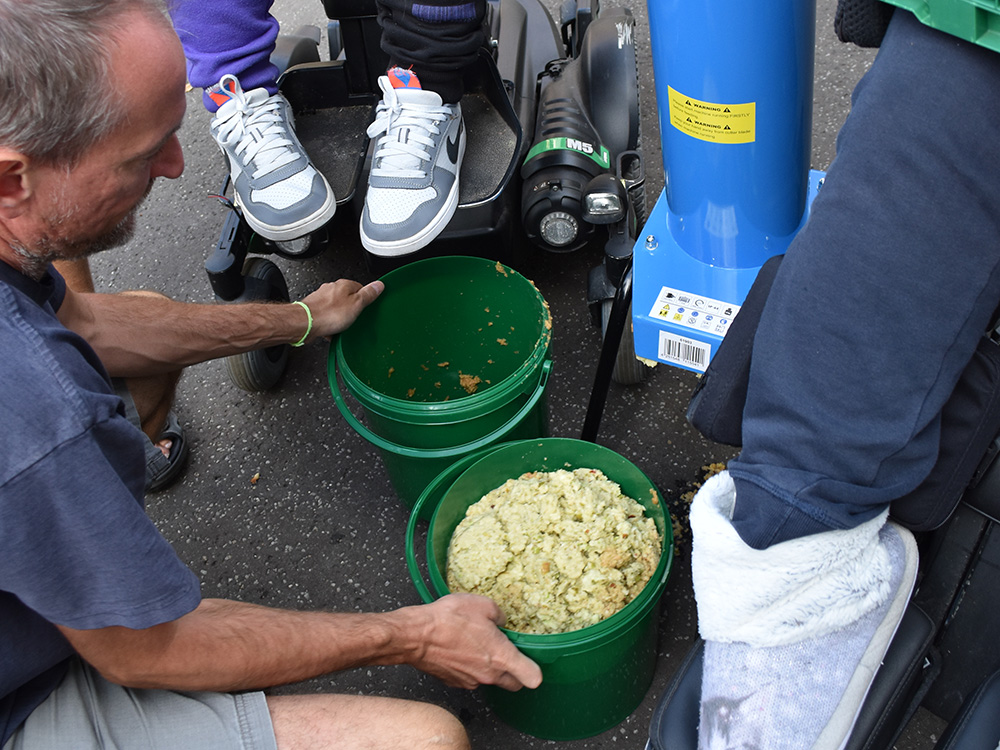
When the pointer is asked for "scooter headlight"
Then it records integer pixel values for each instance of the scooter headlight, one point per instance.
(605, 200)
(597, 206)
(558, 228)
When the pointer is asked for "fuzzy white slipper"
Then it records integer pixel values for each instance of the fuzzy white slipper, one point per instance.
(794, 633)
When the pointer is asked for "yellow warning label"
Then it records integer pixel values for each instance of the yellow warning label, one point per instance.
(708, 121)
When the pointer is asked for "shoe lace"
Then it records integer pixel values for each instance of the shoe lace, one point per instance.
(408, 133)
(261, 129)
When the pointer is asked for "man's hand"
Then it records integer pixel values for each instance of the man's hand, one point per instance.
(334, 306)
(459, 642)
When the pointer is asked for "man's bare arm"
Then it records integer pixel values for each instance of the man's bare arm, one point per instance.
(141, 334)
(227, 645)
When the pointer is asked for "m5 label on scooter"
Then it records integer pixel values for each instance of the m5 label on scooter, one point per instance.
(598, 153)
(711, 121)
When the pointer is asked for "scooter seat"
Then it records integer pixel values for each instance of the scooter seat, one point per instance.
(976, 727)
(674, 725)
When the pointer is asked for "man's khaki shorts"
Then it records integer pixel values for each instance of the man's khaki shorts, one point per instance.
(86, 712)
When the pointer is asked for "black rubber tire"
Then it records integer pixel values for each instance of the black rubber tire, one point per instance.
(261, 369)
(628, 370)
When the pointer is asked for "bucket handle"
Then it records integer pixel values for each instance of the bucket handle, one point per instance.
(404, 450)
(416, 575)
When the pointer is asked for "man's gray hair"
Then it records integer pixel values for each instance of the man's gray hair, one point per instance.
(56, 99)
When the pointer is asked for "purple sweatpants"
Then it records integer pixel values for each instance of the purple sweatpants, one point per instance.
(227, 36)
(438, 39)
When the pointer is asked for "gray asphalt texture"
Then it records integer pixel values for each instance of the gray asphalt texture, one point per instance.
(321, 526)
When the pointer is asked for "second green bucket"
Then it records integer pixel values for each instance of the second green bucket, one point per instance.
(452, 358)
(592, 678)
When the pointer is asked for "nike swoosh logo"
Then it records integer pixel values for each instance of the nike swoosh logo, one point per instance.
(452, 145)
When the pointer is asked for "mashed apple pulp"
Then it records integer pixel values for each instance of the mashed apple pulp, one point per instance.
(557, 551)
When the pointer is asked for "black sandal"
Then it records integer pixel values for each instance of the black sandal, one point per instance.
(162, 471)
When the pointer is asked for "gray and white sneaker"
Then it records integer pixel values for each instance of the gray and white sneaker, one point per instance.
(413, 182)
(281, 193)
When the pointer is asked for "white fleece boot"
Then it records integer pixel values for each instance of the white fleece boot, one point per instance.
(794, 633)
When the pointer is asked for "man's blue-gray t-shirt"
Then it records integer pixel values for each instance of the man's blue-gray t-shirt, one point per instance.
(76, 546)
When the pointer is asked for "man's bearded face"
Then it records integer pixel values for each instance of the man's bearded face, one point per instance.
(66, 236)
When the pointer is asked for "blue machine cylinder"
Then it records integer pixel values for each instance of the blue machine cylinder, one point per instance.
(734, 85)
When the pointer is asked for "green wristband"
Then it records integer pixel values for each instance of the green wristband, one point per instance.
(305, 335)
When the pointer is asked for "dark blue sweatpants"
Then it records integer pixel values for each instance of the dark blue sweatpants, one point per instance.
(881, 298)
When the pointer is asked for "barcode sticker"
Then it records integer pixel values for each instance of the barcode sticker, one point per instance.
(684, 351)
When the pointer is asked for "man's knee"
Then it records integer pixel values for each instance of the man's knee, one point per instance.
(311, 722)
(153, 397)
(443, 731)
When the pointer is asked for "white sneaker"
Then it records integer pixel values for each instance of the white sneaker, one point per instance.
(413, 182)
(282, 195)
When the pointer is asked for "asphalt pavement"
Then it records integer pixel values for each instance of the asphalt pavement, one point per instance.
(282, 504)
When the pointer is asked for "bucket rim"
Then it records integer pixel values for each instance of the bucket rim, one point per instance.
(430, 411)
(500, 393)
(623, 618)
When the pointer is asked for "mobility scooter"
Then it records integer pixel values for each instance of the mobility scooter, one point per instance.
(552, 116)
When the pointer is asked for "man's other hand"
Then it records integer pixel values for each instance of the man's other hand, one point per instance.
(335, 305)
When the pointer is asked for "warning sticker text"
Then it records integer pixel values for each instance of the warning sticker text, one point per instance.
(709, 121)
(694, 311)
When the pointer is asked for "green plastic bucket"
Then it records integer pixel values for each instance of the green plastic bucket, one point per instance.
(592, 678)
(452, 358)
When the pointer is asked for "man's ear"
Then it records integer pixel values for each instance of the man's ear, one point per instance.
(16, 185)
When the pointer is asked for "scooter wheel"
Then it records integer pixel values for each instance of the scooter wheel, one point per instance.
(628, 370)
(261, 369)
(301, 248)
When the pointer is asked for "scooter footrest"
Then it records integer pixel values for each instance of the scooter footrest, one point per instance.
(491, 143)
(336, 141)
